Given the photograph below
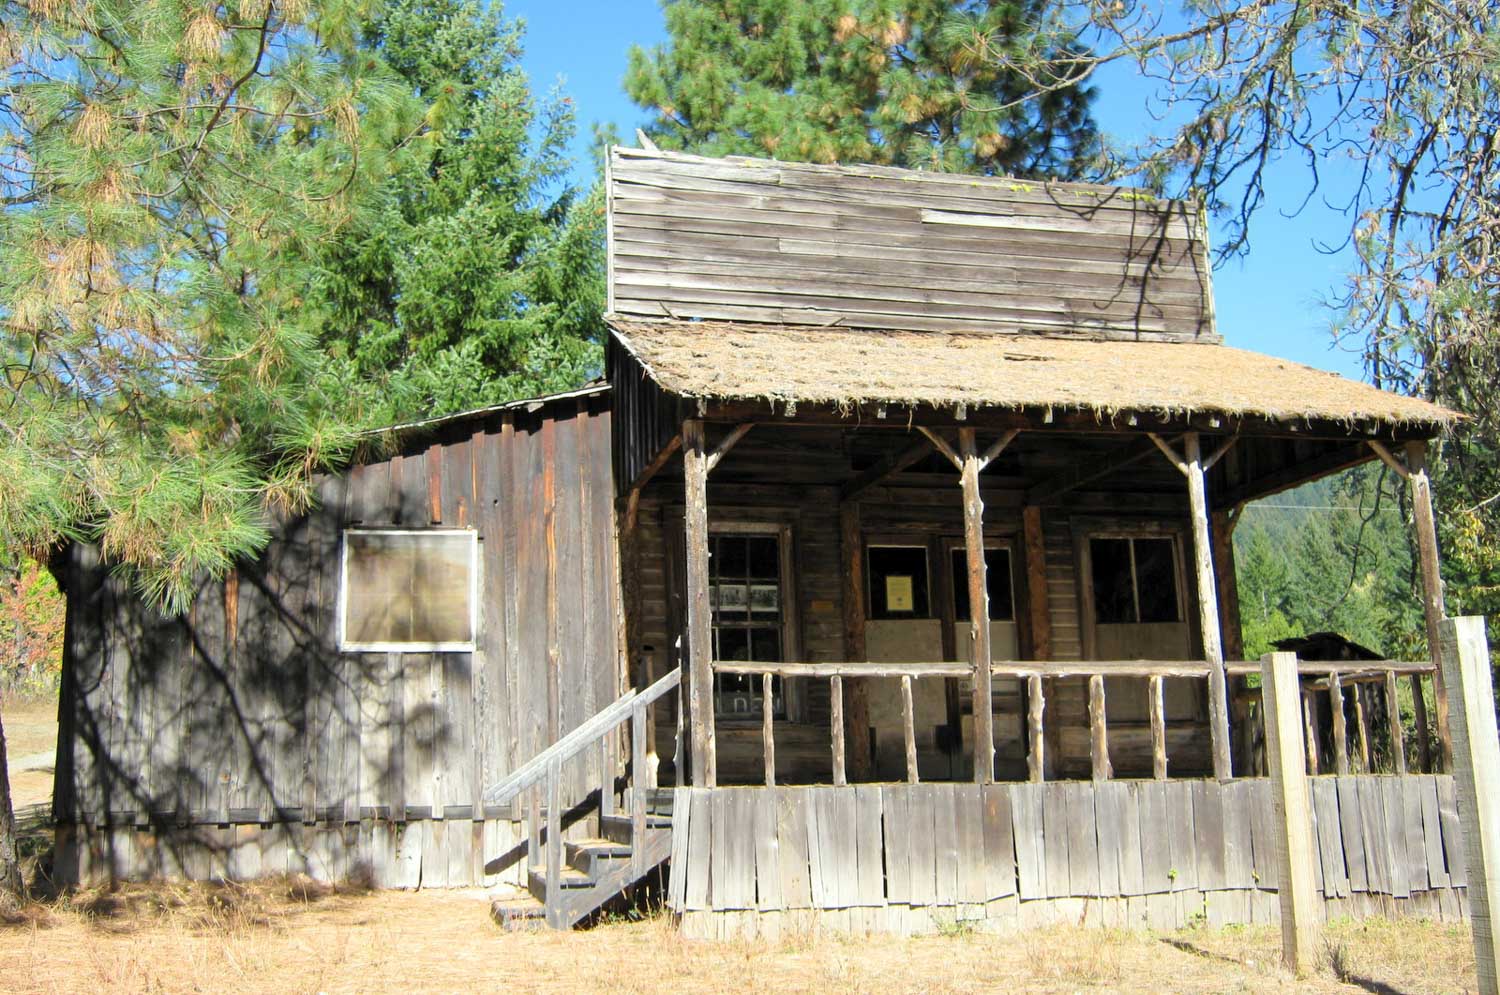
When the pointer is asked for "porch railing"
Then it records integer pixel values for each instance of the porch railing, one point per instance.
(1332, 677)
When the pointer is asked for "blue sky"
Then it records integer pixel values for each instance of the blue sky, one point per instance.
(1269, 301)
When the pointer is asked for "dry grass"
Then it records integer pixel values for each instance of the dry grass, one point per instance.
(30, 730)
(291, 936)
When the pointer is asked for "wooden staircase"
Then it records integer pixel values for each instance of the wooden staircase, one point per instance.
(596, 871)
(569, 880)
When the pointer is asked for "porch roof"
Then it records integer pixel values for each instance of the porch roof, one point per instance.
(737, 361)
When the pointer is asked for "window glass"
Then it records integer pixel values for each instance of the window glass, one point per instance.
(1114, 587)
(997, 582)
(1134, 580)
(744, 576)
(1156, 580)
(408, 588)
(898, 582)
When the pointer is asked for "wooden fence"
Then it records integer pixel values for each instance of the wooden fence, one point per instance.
(910, 858)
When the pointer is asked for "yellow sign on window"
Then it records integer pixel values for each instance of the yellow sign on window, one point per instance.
(898, 594)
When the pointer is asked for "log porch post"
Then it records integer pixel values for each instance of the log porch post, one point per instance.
(699, 620)
(857, 715)
(1433, 609)
(979, 610)
(1191, 464)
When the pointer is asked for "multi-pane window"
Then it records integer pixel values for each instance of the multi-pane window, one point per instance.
(749, 614)
(411, 590)
(1134, 579)
(997, 582)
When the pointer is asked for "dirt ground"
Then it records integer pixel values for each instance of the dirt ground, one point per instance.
(31, 743)
(293, 937)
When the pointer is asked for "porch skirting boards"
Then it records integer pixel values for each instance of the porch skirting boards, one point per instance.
(426, 853)
(1139, 854)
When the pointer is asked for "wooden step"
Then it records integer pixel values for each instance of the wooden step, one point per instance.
(513, 914)
(571, 879)
(593, 857)
(618, 829)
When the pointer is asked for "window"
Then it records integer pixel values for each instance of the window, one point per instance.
(745, 593)
(411, 590)
(1134, 579)
(997, 582)
(898, 582)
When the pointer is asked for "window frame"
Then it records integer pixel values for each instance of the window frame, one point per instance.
(878, 541)
(475, 561)
(1008, 543)
(1085, 530)
(789, 624)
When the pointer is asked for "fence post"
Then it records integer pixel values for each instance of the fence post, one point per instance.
(1465, 659)
(1297, 890)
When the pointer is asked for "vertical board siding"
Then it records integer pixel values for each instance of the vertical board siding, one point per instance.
(958, 846)
(244, 714)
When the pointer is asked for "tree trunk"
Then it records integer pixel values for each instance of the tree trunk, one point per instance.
(10, 857)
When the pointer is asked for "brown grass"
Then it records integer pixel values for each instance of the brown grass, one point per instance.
(30, 729)
(292, 936)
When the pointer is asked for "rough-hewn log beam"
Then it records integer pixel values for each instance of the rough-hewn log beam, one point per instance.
(727, 443)
(699, 620)
(1433, 609)
(885, 468)
(1083, 474)
(979, 610)
(858, 704)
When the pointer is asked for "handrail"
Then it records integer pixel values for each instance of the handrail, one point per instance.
(1062, 668)
(570, 745)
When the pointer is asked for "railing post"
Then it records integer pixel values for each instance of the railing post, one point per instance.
(607, 774)
(1340, 724)
(1036, 750)
(768, 730)
(1465, 655)
(1098, 729)
(1281, 700)
(638, 791)
(1433, 610)
(836, 692)
(909, 729)
(554, 846)
(534, 828)
(1393, 724)
(1157, 707)
(1362, 725)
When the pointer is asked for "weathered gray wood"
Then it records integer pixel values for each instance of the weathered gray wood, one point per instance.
(895, 817)
(1156, 846)
(793, 843)
(999, 843)
(1132, 863)
(1182, 837)
(830, 670)
(768, 895)
(923, 841)
(1208, 606)
(1351, 832)
(1455, 848)
(820, 849)
(554, 846)
(1372, 821)
(1108, 816)
(699, 621)
(1294, 842)
(738, 844)
(1330, 843)
(1432, 832)
(1416, 842)
(1083, 841)
(869, 846)
(973, 863)
(763, 236)
(1208, 830)
(1055, 840)
(1036, 758)
(1392, 804)
(949, 864)
(1028, 830)
(697, 886)
(677, 879)
(1465, 657)
(638, 789)
(1238, 848)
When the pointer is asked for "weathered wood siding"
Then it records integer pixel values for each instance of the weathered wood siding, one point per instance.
(873, 247)
(245, 712)
(914, 858)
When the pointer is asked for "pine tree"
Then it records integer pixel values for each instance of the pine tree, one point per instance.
(896, 82)
(474, 274)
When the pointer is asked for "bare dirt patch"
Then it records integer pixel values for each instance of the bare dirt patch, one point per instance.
(290, 936)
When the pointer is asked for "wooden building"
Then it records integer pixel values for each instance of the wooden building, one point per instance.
(897, 544)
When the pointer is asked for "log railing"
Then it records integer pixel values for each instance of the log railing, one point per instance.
(1336, 678)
